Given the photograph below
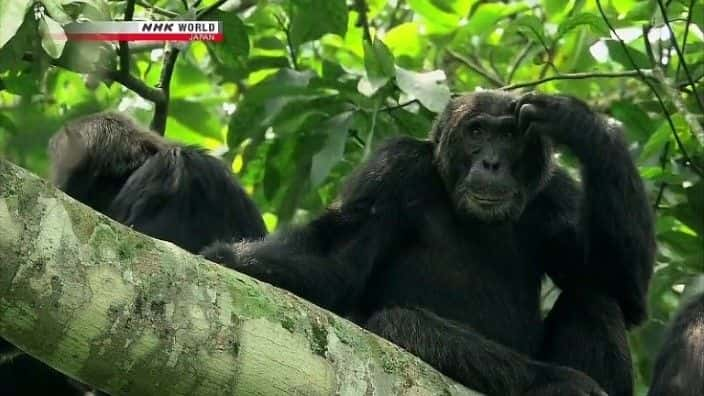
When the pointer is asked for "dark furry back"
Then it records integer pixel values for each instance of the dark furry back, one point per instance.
(679, 369)
(188, 197)
(179, 194)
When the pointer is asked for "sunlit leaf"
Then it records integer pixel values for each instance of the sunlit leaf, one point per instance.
(429, 88)
(379, 65)
(11, 17)
(53, 37)
(311, 19)
(235, 44)
(55, 10)
(336, 131)
(595, 22)
(618, 54)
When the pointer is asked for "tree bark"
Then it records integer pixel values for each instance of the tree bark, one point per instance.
(129, 314)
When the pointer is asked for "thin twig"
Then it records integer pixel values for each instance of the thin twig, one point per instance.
(400, 105)
(688, 22)
(572, 76)
(680, 55)
(477, 68)
(289, 43)
(136, 85)
(372, 130)
(655, 92)
(207, 10)
(124, 50)
(393, 16)
(663, 185)
(362, 8)
(161, 108)
(648, 47)
(157, 10)
(126, 80)
(519, 59)
(695, 127)
(549, 50)
(492, 64)
(357, 139)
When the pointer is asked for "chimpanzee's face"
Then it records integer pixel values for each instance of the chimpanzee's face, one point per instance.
(489, 167)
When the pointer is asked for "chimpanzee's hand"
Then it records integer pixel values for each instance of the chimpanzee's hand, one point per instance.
(563, 119)
(225, 254)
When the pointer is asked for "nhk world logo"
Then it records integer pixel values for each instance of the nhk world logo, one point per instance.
(145, 31)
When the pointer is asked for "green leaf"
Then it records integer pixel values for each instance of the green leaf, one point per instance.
(555, 7)
(617, 53)
(336, 131)
(637, 122)
(441, 16)
(623, 6)
(486, 16)
(311, 19)
(11, 17)
(405, 39)
(263, 104)
(698, 15)
(656, 142)
(87, 56)
(196, 116)
(642, 11)
(56, 11)
(595, 22)
(378, 60)
(235, 45)
(270, 221)
(429, 88)
(663, 134)
(379, 65)
(533, 27)
(94, 10)
(53, 37)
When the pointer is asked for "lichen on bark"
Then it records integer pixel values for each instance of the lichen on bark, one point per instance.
(133, 315)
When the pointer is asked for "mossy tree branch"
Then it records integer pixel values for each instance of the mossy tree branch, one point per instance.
(129, 314)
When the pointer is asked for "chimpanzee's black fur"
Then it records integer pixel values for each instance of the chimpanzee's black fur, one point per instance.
(440, 246)
(679, 369)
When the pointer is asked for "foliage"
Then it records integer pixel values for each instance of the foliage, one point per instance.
(301, 90)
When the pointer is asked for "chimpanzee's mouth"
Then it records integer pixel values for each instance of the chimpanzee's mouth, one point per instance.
(490, 199)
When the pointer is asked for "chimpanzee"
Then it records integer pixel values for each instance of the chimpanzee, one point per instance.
(171, 192)
(179, 194)
(679, 369)
(440, 246)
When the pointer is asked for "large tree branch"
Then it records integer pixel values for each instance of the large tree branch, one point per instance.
(133, 315)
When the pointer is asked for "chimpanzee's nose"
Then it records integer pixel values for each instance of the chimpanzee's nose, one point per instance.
(491, 164)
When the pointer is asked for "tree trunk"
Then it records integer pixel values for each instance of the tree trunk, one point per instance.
(129, 314)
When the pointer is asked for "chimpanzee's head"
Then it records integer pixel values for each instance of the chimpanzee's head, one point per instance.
(490, 168)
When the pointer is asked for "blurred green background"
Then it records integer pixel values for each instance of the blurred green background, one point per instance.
(300, 91)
